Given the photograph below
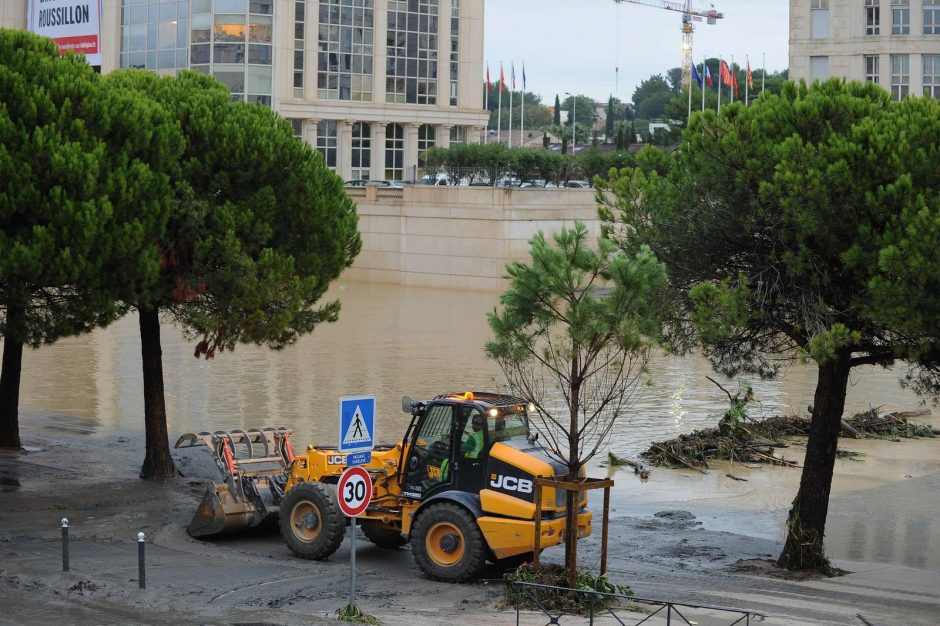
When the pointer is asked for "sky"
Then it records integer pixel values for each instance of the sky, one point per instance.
(574, 45)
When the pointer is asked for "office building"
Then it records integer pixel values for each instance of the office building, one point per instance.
(894, 43)
(370, 83)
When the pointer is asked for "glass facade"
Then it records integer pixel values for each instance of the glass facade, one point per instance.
(871, 68)
(900, 76)
(154, 34)
(427, 137)
(300, 15)
(932, 17)
(344, 50)
(454, 50)
(458, 134)
(327, 142)
(411, 72)
(872, 17)
(233, 41)
(932, 75)
(900, 17)
(395, 152)
(361, 151)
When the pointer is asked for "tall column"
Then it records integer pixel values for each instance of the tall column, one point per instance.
(411, 150)
(378, 150)
(380, 56)
(310, 131)
(443, 53)
(344, 149)
(442, 136)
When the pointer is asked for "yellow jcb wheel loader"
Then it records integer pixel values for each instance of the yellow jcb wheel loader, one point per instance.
(460, 486)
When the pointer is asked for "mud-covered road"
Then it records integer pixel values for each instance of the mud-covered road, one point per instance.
(254, 579)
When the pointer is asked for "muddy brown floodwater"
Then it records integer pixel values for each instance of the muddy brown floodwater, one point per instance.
(393, 340)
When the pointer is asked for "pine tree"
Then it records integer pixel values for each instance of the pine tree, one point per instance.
(556, 120)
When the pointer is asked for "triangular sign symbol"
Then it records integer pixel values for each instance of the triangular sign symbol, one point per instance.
(357, 431)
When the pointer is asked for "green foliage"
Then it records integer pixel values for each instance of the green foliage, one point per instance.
(556, 115)
(354, 614)
(651, 97)
(580, 110)
(82, 194)
(562, 599)
(234, 268)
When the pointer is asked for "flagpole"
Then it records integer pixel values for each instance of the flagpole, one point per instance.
(720, 80)
(512, 74)
(499, 104)
(704, 74)
(522, 121)
(747, 59)
(763, 74)
(486, 105)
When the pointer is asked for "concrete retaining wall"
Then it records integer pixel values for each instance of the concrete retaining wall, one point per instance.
(457, 237)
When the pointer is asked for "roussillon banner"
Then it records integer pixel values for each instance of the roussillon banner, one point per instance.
(75, 25)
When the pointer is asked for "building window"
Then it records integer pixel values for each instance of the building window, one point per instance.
(154, 35)
(932, 17)
(932, 75)
(458, 134)
(872, 17)
(326, 142)
(361, 151)
(900, 17)
(426, 141)
(345, 48)
(234, 44)
(871, 68)
(298, 126)
(819, 19)
(299, 18)
(818, 68)
(411, 73)
(900, 76)
(454, 50)
(395, 152)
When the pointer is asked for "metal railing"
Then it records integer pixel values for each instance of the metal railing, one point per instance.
(605, 605)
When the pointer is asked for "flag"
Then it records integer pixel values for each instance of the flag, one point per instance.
(523, 76)
(487, 77)
(512, 72)
(734, 81)
(696, 77)
(750, 79)
(708, 76)
(726, 79)
(502, 79)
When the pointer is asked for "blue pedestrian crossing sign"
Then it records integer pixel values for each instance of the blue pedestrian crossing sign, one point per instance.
(356, 423)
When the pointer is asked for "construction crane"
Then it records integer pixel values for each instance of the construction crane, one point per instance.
(689, 15)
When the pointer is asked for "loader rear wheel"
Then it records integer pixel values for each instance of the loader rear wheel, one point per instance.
(387, 538)
(447, 544)
(310, 521)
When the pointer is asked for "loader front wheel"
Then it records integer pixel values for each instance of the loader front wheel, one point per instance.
(310, 521)
(447, 544)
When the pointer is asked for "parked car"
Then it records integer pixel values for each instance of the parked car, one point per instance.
(378, 183)
(578, 184)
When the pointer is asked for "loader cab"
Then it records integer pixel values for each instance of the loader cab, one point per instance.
(451, 439)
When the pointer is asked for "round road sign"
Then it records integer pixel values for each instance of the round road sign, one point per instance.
(354, 491)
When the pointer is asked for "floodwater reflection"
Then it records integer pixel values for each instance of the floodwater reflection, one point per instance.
(390, 341)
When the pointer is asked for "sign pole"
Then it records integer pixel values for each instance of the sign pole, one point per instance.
(352, 557)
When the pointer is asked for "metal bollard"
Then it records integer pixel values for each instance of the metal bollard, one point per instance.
(141, 573)
(65, 544)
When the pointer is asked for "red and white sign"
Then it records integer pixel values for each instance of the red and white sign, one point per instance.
(75, 25)
(354, 491)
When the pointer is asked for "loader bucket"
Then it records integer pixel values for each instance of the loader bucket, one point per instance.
(254, 465)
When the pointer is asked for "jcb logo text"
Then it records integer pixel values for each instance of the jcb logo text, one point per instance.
(511, 483)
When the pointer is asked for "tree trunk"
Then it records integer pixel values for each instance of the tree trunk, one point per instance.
(806, 524)
(158, 464)
(10, 380)
(571, 497)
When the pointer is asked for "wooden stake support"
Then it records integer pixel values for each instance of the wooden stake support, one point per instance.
(584, 485)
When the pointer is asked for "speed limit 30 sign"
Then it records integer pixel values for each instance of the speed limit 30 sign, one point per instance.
(354, 491)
